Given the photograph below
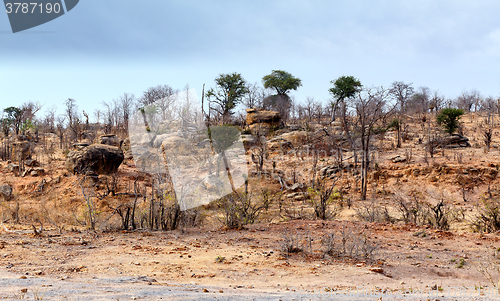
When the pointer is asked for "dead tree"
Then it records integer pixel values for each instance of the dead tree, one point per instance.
(402, 93)
(369, 109)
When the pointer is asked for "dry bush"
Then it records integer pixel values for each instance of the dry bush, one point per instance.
(239, 210)
(439, 216)
(322, 198)
(348, 244)
(411, 207)
(490, 269)
(487, 218)
(12, 210)
(414, 208)
(373, 212)
(290, 243)
(488, 135)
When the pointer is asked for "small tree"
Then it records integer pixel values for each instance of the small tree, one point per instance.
(282, 82)
(231, 88)
(449, 119)
(14, 118)
(345, 88)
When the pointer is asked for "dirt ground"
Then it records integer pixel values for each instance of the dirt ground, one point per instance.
(251, 258)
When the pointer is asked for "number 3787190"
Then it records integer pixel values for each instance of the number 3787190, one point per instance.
(31, 8)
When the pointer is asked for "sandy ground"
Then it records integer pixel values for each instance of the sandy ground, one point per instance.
(250, 262)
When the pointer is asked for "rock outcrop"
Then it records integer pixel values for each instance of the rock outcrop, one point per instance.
(110, 139)
(6, 192)
(96, 158)
(261, 122)
(451, 141)
(21, 151)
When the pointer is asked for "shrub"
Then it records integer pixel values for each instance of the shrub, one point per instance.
(373, 212)
(290, 243)
(322, 198)
(239, 210)
(348, 245)
(488, 217)
(449, 119)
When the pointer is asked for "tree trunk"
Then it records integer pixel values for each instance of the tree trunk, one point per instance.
(364, 166)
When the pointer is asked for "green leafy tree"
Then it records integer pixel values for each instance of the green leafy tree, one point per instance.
(345, 87)
(14, 116)
(281, 81)
(230, 90)
(449, 119)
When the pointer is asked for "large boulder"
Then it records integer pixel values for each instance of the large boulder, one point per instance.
(108, 140)
(6, 192)
(262, 122)
(21, 151)
(176, 145)
(261, 129)
(451, 141)
(271, 117)
(96, 158)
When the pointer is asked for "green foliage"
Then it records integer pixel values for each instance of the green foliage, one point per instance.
(223, 137)
(449, 119)
(487, 218)
(321, 197)
(281, 81)
(394, 124)
(345, 87)
(238, 210)
(231, 88)
(13, 112)
(28, 124)
(460, 264)
(14, 117)
(220, 259)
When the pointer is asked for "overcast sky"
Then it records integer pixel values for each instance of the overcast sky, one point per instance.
(101, 49)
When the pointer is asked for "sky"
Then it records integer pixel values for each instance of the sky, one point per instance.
(102, 49)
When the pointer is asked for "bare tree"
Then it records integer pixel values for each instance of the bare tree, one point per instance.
(402, 93)
(309, 108)
(488, 105)
(50, 118)
(153, 94)
(166, 104)
(97, 115)
(419, 103)
(30, 109)
(280, 103)
(469, 100)
(108, 116)
(126, 103)
(71, 113)
(436, 102)
(60, 129)
(370, 108)
(255, 96)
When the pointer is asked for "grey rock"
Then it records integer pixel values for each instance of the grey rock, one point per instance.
(13, 167)
(6, 192)
(110, 139)
(96, 158)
